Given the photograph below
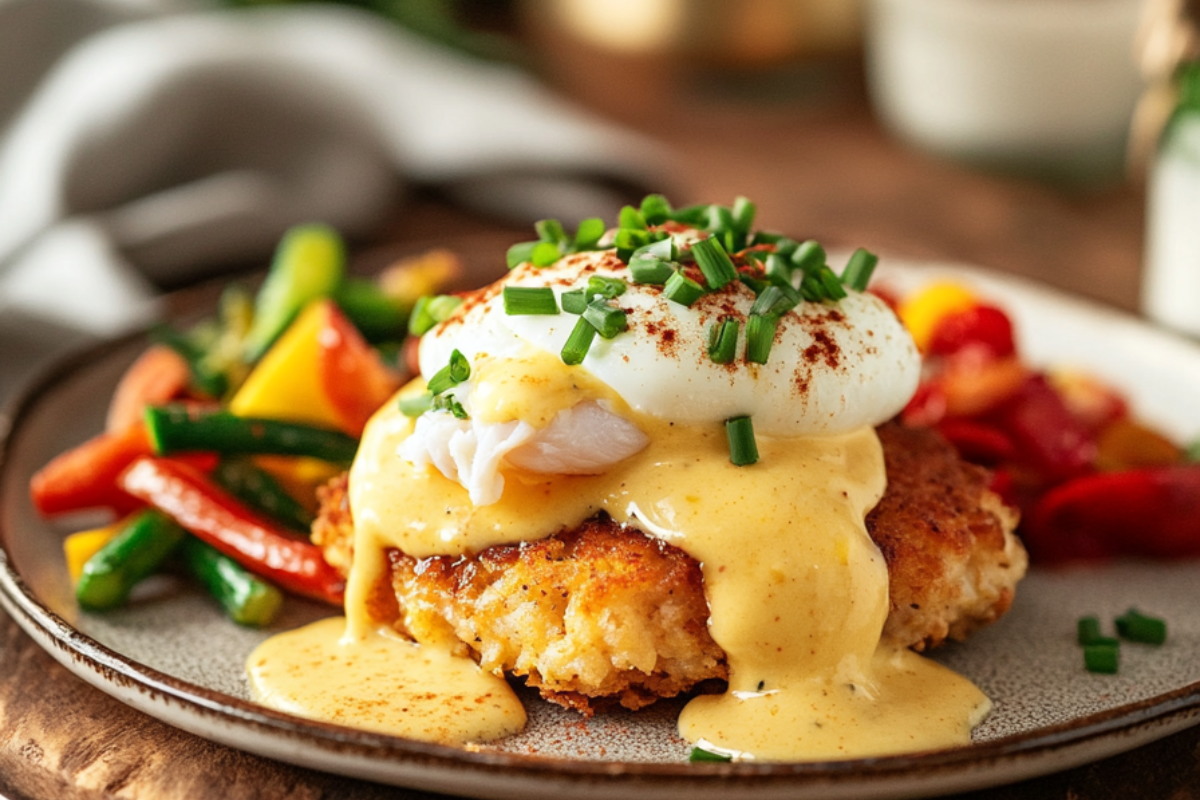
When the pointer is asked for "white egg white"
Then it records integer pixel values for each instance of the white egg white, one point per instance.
(833, 367)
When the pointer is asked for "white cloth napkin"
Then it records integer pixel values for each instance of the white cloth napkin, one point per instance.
(148, 141)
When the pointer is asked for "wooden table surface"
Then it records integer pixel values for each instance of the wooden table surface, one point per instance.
(821, 168)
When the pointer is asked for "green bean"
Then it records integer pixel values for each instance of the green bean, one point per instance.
(308, 264)
(376, 315)
(246, 598)
(259, 490)
(132, 555)
(178, 429)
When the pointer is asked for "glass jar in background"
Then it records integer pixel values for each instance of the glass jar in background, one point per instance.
(1171, 281)
(1038, 87)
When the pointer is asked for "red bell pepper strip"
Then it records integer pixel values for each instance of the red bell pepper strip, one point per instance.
(1152, 512)
(217, 518)
(1044, 430)
(86, 476)
(354, 378)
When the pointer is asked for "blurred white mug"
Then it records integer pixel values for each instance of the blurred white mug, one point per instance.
(1040, 86)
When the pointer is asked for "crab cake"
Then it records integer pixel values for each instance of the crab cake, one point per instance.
(604, 614)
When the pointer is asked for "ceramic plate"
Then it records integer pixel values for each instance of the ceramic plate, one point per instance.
(172, 655)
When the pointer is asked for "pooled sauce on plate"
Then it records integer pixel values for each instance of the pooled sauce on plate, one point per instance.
(382, 683)
(798, 593)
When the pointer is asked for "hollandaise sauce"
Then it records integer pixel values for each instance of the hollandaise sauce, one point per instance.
(798, 593)
(382, 683)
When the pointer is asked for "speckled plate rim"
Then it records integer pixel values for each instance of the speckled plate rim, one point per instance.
(483, 773)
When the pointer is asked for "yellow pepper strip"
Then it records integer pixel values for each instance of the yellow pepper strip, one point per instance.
(922, 312)
(299, 477)
(286, 383)
(428, 273)
(81, 546)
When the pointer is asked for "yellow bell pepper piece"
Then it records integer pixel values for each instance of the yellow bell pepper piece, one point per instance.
(922, 312)
(428, 273)
(286, 383)
(299, 477)
(81, 546)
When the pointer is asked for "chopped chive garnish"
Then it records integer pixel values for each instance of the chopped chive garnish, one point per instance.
(720, 220)
(774, 301)
(682, 289)
(446, 402)
(691, 215)
(578, 343)
(607, 320)
(786, 246)
(575, 301)
(743, 215)
(550, 230)
(859, 268)
(1101, 658)
(652, 263)
(790, 292)
(779, 267)
(655, 209)
(460, 368)
(811, 289)
(544, 254)
(833, 287)
(430, 310)
(630, 239)
(700, 755)
(454, 373)
(631, 218)
(608, 288)
(589, 233)
(416, 405)
(1138, 627)
(808, 257)
(714, 263)
(553, 242)
(649, 270)
(519, 253)
(756, 285)
(1088, 633)
(760, 335)
(523, 300)
(664, 249)
(722, 341)
(743, 449)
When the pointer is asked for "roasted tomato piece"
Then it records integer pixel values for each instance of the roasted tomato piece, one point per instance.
(1091, 400)
(1152, 512)
(978, 442)
(926, 407)
(978, 326)
(1046, 434)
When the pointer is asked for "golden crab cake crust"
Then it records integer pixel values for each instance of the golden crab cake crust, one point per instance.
(333, 528)
(953, 559)
(601, 611)
(604, 613)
